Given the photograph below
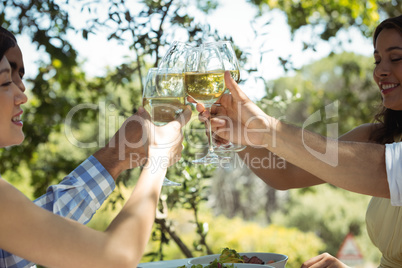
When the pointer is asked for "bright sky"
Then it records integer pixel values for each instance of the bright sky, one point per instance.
(234, 18)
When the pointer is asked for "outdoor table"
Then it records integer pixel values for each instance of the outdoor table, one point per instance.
(164, 264)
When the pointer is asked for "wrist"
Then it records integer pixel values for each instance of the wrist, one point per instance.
(162, 157)
(158, 154)
(157, 161)
(110, 161)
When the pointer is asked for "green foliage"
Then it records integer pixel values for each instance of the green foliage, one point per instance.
(344, 78)
(332, 15)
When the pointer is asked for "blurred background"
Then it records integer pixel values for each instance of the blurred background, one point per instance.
(86, 60)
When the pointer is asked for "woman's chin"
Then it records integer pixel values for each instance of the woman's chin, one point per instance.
(14, 142)
(20, 140)
(392, 105)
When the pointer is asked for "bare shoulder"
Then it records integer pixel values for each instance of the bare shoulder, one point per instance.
(361, 133)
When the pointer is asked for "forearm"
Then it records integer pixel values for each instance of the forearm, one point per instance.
(354, 166)
(109, 158)
(276, 171)
(132, 227)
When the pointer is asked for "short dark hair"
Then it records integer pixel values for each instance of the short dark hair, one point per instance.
(7, 41)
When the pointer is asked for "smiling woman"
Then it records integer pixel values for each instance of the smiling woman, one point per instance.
(66, 242)
(388, 76)
(11, 99)
(366, 160)
(388, 60)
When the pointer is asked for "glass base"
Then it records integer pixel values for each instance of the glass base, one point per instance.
(230, 147)
(167, 182)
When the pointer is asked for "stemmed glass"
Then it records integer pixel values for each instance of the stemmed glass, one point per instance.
(175, 56)
(231, 64)
(204, 83)
(164, 99)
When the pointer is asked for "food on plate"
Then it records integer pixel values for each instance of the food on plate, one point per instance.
(255, 260)
(214, 264)
(230, 256)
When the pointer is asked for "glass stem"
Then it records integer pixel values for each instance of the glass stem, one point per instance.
(210, 144)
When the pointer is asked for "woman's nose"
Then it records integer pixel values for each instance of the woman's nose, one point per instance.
(18, 81)
(382, 70)
(23, 98)
(20, 97)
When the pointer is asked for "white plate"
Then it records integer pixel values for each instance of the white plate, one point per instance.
(280, 259)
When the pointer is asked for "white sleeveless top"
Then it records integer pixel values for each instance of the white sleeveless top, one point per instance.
(383, 219)
(384, 226)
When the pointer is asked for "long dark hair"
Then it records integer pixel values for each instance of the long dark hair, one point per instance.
(390, 120)
(7, 40)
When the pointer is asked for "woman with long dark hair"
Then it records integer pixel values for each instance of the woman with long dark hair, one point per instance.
(366, 160)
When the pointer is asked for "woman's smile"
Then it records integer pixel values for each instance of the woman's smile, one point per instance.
(387, 88)
(17, 119)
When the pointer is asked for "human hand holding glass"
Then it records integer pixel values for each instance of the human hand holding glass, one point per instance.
(231, 64)
(164, 99)
(167, 93)
(237, 117)
(204, 83)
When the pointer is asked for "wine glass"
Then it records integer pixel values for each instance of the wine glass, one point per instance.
(164, 99)
(170, 70)
(232, 65)
(204, 83)
(229, 58)
(175, 56)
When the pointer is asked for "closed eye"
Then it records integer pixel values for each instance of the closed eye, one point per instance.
(6, 84)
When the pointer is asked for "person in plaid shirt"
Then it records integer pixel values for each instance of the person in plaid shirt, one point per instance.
(35, 234)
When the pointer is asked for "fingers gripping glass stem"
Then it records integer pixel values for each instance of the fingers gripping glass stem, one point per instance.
(211, 157)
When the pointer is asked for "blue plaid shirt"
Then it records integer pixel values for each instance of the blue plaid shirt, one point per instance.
(77, 197)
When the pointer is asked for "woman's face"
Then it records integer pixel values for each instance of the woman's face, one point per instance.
(14, 57)
(388, 71)
(11, 99)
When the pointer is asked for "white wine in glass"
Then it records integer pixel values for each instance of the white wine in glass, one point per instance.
(164, 99)
(205, 87)
(164, 109)
(204, 83)
(229, 58)
(231, 64)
